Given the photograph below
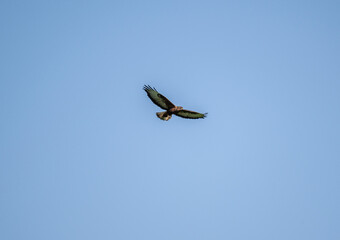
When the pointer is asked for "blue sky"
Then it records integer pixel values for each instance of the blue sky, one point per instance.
(83, 155)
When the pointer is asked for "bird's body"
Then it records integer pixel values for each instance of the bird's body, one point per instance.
(170, 108)
(168, 113)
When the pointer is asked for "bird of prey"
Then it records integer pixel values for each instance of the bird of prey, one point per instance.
(170, 108)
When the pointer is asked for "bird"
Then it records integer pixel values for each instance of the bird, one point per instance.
(170, 108)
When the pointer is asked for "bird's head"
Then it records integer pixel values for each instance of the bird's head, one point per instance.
(179, 108)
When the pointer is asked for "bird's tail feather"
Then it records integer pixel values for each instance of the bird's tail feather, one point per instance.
(164, 115)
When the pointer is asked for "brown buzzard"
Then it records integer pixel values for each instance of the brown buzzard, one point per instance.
(170, 108)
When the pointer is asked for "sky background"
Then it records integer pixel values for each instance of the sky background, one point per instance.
(83, 155)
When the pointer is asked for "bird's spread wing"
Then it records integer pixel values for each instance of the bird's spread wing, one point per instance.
(190, 114)
(158, 98)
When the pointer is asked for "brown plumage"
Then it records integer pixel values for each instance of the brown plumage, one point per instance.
(170, 108)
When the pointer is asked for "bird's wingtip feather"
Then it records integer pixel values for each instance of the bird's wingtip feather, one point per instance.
(148, 88)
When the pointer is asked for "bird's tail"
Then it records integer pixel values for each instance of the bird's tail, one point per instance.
(164, 115)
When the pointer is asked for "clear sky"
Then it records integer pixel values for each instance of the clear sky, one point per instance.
(83, 155)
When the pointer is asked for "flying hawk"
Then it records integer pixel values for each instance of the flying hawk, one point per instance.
(170, 108)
